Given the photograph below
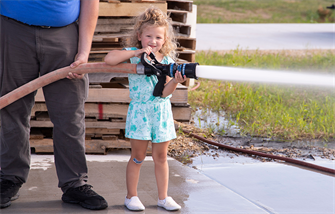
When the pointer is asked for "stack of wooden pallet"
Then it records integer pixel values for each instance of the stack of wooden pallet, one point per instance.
(108, 99)
(116, 20)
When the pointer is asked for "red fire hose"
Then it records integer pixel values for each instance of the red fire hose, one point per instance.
(61, 73)
(289, 160)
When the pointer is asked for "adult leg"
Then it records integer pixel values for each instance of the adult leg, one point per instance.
(18, 66)
(159, 155)
(65, 102)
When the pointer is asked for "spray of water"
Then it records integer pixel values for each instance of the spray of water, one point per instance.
(264, 76)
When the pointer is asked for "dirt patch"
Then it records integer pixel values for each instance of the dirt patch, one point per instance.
(185, 147)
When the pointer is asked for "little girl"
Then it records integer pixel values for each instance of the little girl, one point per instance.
(149, 118)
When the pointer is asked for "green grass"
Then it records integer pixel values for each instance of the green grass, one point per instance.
(261, 11)
(286, 113)
(322, 61)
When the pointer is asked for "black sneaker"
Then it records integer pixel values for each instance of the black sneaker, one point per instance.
(8, 192)
(86, 197)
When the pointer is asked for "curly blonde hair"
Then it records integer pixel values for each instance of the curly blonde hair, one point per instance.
(154, 17)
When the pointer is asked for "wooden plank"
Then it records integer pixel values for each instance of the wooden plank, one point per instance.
(181, 113)
(188, 43)
(101, 51)
(109, 137)
(108, 28)
(109, 37)
(91, 146)
(189, 57)
(96, 58)
(93, 124)
(180, 5)
(115, 21)
(128, 9)
(36, 134)
(102, 131)
(96, 46)
(42, 116)
(108, 95)
(109, 125)
(120, 144)
(122, 95)
(182, 30)
(113, 28)
(116, 42)
(114, 24)
(187, 51)
(99, 111)
(108, 111)
(113, 1)
(38, 107)
(115, 110)
(118, 1)
(119, 95)
(103, 111)
(178, 16)
(42, 146)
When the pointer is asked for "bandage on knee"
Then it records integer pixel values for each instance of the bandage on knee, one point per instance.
(136, 161)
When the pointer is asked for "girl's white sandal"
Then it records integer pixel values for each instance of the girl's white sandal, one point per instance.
(169, 204)
(134, 204)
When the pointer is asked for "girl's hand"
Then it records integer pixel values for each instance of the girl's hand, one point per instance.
(178, 78)
(139, 52)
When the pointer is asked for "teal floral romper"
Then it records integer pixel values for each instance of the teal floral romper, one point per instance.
(149, 117)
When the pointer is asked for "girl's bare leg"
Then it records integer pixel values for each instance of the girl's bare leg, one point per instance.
(138, 153)
(159, 155)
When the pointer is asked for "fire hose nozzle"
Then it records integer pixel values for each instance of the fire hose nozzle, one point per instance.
(155, 68)
(140, 69)
(187, 69)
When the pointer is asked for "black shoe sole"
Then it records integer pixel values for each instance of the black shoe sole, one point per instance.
(87, 206)
(5, 205)
(15, 197)
(93, 208)
(2, 206)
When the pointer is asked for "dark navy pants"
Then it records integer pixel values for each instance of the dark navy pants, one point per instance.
(26, 53)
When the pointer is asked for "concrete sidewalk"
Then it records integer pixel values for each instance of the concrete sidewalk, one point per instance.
(223, 185)
(195, 192)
